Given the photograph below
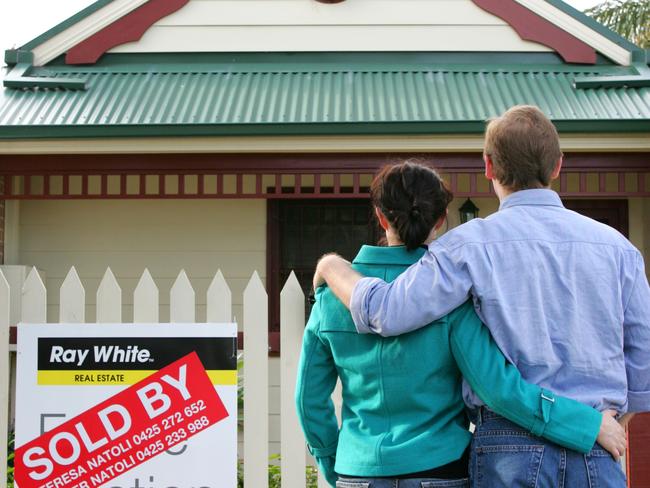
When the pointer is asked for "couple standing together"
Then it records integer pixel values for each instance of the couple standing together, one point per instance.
(564, 298)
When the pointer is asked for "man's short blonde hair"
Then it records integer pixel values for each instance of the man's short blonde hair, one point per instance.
(524, 147)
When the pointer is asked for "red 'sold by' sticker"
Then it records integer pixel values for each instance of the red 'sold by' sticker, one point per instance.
(145, 420)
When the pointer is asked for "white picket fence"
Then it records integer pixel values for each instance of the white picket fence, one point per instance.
(182, 310)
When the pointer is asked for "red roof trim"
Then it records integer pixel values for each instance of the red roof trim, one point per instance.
(129, 28)
(532, 27)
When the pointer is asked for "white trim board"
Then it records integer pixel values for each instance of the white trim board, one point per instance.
(309, 144)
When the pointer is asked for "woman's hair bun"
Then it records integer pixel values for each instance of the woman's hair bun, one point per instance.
(413, 197)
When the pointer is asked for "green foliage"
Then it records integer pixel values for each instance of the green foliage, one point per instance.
(312, 477)
(10, 460)
(311, 474)
(630, 18)
(274, 472)
(240, 392)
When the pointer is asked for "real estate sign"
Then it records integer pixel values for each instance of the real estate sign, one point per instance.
(126, 405)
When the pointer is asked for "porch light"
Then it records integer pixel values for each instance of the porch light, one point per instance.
(468, 211)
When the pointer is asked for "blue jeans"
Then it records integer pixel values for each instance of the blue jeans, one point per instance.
(505, 455)
(401, 483)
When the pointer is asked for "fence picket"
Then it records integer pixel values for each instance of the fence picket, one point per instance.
(109, 300)
(182, 305)
(72, 299)
(292, 319)
(4, 373)
(34, 299)
(219, 300)
(145, 300)
(256, 384)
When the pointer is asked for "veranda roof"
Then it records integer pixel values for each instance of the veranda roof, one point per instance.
(127, 96)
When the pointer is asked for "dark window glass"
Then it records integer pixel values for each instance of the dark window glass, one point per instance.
(303, 230)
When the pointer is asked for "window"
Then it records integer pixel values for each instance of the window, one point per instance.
(300, 231)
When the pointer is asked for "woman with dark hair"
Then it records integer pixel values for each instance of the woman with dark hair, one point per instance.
(403, 418)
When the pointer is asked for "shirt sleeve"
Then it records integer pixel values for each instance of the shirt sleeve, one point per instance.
(636, 340)
(500, 385)
(315, 383)
(425, 292)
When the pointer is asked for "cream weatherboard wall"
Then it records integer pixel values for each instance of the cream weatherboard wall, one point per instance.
(164, 236)
(306, 25)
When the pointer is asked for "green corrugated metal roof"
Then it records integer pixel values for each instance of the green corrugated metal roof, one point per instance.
(213, 99)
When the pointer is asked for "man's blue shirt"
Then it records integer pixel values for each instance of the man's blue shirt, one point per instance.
(565, 297)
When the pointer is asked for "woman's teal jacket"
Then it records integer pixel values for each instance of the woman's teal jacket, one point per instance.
(403, 410)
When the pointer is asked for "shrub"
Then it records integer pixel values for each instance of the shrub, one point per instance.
(10, 460)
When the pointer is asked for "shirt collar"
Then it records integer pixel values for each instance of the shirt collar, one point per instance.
(388, 255)
(541, 197)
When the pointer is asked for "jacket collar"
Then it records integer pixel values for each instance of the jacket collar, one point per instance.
(398, 255)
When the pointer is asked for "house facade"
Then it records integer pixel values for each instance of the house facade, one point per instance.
(242, 135)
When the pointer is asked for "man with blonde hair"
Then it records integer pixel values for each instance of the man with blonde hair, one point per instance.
(565, 297)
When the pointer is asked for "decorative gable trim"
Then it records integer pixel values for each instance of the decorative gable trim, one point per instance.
(533, 27)
(81, 30)
(579, 30)
(129, 28)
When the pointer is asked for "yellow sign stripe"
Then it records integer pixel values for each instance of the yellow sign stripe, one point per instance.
(223, 376)
(120, 377)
